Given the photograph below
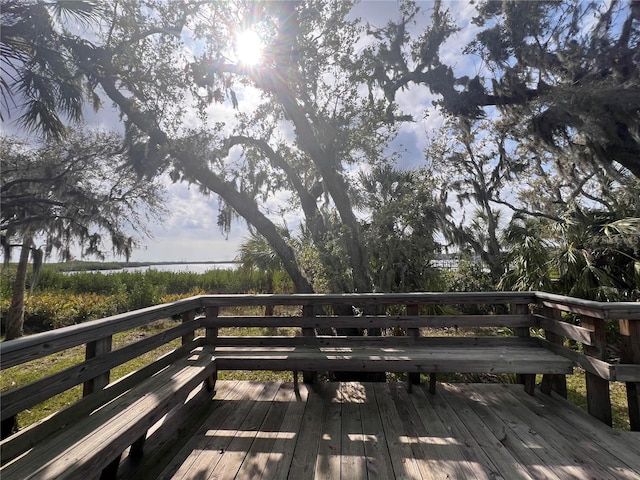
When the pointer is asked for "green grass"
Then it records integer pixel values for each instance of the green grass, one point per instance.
(577, 394)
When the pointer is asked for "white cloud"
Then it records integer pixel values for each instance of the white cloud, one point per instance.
(189, 231)
(181, 249)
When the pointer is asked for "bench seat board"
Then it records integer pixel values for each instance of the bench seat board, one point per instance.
(523, 358)
(372, 341)
(86, 447)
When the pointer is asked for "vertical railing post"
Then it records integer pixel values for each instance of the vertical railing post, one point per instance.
(413, 378)
(94, 349)
(211, 334)
(630, 332)
(553, 382)
(188, 316)
(527, 379)
(598, 396)
(307, 315)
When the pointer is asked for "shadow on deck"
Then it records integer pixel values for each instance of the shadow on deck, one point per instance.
(254, 430)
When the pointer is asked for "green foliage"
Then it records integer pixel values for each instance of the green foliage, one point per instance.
(586, 253)
(212, 281)
(564, 75)
(78, 190)
(48, 310)
(528, 257)
(400, 230)
(37, 78)
(143, 292)
(66, 299)
(102, 284)
(469, 276)
(75, 191)
(83, 265)
(595, 259)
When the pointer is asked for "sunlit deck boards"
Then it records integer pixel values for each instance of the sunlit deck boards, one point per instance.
(353, 431)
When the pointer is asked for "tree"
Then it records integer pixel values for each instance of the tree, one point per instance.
(473, 164)
(76, 191)
(400, 228)
(38, 81)
(518, 195)
(598, 255)
(165, 66)
(528, 256)
(566, 72)
(256, 253)
(587, 252)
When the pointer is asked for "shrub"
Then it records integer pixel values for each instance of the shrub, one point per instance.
(66, 299)
(58, 309)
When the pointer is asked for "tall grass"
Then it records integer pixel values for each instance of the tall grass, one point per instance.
(61, 299)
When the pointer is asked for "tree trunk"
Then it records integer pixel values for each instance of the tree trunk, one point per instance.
(15, 314)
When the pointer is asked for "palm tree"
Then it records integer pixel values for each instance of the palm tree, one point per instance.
(38, 77)
(528, 258)
(598, 257)
(400, 228)
(256, 253)
(589, 254)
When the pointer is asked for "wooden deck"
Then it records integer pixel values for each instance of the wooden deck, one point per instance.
(379, 431)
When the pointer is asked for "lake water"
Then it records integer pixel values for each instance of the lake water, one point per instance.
(170, 267)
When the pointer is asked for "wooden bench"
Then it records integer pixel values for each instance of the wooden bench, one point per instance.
(94, 443)
(405, 351)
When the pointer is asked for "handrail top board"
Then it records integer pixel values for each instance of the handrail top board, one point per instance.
(53, 341)
(371, 321)
(423, 298)
(605, 310)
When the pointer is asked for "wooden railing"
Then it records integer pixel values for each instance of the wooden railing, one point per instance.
(549, 315)
(589, 329)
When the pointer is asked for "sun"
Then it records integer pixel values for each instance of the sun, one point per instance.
(249, 48)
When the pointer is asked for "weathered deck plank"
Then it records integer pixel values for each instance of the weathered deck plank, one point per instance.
(442, 451)
(374, 431)
(329, 448)
(261, 448)
(485, 437)
(378, 460)
(306, 442)
(200, 450)
(445, 356)
(578, 465)
(404, 457)
(277, 465)
(235, 454)
(352, 454)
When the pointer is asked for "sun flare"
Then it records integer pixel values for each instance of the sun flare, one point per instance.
(249, 48)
